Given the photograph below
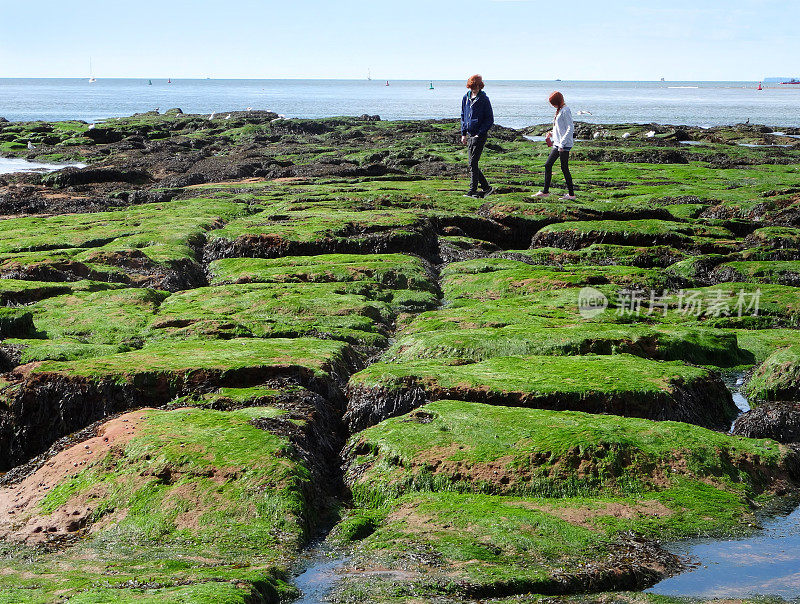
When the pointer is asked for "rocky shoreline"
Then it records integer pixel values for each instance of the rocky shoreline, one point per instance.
(226, 335)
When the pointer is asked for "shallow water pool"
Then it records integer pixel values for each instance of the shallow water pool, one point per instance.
(11, 165)
(767, 563)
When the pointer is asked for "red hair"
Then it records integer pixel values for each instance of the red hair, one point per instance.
(557, 100)
(476, 80)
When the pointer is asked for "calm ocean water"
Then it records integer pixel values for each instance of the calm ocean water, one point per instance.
(516, 103)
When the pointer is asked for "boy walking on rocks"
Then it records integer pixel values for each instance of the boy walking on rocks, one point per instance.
(476, 119)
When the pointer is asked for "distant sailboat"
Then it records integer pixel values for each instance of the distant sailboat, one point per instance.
(92, 79)
(149, 82)
(387, 82)
(369, 75)
(169, 80)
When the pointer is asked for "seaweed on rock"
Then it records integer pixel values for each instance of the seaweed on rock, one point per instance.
(273, 284)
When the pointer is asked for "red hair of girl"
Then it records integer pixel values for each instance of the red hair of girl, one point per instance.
(475, 80)
(556, 100)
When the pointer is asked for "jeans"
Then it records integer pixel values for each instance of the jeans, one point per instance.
(475, 146)
(548, 169)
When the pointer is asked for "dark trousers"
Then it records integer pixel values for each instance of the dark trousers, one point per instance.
(475, 146)
(548, 169)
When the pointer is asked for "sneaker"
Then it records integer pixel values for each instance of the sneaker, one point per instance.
(473, 194)
(541, 194)
(489, 191)
(568, 197)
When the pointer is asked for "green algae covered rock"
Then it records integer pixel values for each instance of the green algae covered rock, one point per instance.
(700, 346)
(272, 310)
(270, 283)
(309, 232)
(396, 271)
(358, 312)
(85, 390)
(784, 272)
(778, 377)
(620, 384)
(221, 357)
(116, 316)
(496, 278)
(506, 500)
(180, 504)
(576, 235)
(15, 322)
(461, 446)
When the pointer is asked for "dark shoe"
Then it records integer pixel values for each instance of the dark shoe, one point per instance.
(473, 194)
(489, 191)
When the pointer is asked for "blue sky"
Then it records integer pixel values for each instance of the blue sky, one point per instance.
(414, 39)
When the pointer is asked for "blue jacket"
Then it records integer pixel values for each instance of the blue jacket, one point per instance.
(476, 114)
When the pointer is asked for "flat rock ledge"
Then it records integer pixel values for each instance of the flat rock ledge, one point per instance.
(704, 402)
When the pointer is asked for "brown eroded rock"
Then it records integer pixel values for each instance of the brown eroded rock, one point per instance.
(21, 518)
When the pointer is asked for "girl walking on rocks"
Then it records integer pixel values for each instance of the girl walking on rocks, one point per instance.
(561, 141)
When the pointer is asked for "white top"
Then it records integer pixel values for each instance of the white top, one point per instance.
(563, 129)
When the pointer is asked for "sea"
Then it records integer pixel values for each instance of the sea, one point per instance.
(516, 103)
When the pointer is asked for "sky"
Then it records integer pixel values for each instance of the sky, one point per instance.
(412, 39)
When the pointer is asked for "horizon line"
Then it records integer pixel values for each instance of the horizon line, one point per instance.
(361, 79)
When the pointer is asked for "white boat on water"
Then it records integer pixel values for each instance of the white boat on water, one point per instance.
(92, 79)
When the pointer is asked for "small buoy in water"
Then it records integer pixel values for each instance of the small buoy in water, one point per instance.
(759, 86)
(431, 86)
(387, 82)
(149, 82)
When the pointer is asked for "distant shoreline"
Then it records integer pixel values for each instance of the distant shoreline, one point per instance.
(776, 129)
(517, 103)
